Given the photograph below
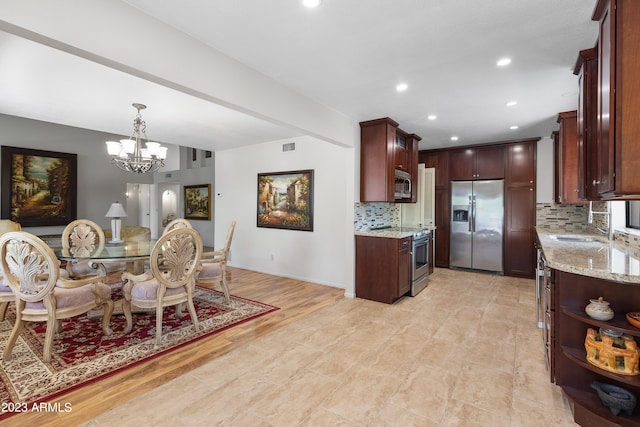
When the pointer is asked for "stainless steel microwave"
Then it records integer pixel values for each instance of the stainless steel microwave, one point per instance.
(403, 185)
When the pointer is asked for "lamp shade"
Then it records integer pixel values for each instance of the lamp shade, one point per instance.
(116, 211)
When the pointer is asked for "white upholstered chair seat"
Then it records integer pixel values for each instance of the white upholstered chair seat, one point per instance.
(147, 290)
(74, 297)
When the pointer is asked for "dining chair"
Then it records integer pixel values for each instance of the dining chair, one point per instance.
(213, 267)
(170, 281)
(177, 223)
(6, 296)
(31, 268)
(82, 238)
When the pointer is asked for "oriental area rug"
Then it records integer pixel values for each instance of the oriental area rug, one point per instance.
(81, 355)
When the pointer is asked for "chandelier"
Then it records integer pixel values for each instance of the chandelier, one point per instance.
(129, 155)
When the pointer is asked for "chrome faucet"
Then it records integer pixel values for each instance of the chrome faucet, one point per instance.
(607, 213)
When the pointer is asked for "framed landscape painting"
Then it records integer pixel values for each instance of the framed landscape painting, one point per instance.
(285, 200)
(196, 201)
(38, 187)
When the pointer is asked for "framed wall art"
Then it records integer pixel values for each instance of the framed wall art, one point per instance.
(39, 187)
(285, 200)
(197, 201)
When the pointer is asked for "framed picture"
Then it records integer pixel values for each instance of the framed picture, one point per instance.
(285, 200)
(39, 187)
(196, 201)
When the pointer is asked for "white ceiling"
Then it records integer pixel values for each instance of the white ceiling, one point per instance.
(347, 55)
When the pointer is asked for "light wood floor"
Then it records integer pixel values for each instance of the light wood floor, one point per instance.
(296, 299)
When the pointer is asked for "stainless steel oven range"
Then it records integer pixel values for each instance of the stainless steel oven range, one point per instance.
(419, 261)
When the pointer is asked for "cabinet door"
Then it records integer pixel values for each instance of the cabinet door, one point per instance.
(462, 164)
(443, 226)
(567, 152)
(519, 220)
(521, 165)
(605, 142)
(489, 163)
(404, 267)
(401, 152)
(377, 145)
(587, 70)
(439, 160)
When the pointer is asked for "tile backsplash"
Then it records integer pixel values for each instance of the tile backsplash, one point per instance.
(558, 217)
(372, 215)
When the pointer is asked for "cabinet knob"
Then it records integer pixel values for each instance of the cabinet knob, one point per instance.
(596, 182)
(530, 182)
(531, 189)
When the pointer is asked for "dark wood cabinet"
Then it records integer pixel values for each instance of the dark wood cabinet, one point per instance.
(566, 151)
(439, 160)
(586, 69)
(520, 210)
(572, 371)
(383, 268)
(516, 163)
(477, 163)
(383, 149)
(618, 91)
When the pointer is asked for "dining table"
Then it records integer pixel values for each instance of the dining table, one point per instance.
(132, 253)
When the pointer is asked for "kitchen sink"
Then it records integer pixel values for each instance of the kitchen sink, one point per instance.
(569, 238)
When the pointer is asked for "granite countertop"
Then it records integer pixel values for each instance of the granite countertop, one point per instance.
(599, 258)
(390, 233)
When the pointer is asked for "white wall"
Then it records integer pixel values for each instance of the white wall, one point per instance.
(544, 178)
(99, 182)
(323, 256)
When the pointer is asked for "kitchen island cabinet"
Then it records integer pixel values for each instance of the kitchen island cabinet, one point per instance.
(383, 268)
(586, 268)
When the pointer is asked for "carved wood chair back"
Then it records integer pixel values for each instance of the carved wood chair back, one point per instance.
(213, 268)
(31, 268)
(81, 238)
(170, 281)
(177, 223)
(6, 296)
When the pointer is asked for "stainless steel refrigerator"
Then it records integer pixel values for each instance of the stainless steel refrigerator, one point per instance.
(477, 223)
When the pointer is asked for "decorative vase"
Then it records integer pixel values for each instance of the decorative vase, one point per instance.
(599, 309)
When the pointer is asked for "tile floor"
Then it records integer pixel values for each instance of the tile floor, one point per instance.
(464, 352)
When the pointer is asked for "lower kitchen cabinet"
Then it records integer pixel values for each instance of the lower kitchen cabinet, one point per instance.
(572, 370)
(383, 268)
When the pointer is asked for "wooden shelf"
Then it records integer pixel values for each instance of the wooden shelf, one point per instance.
(579, 356)
(619, 321)
(587, 404)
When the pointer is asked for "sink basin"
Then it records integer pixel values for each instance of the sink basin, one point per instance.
(569, 238)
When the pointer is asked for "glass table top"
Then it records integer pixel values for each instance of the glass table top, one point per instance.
(110, 251)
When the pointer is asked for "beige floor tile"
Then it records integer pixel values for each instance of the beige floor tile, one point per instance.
(464, 352)
(290, 404)
(485, 388)
(461, 414)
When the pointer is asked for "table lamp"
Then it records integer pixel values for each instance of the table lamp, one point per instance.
(116, 211)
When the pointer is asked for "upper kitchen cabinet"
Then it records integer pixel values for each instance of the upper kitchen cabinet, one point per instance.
(586, 69)
(476, 163)
(618, 92)
(388, 162)
(566, 151)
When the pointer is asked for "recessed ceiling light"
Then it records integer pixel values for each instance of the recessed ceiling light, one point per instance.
(511, 103)
(311, 3)
(513, 127)
(503, 62)
(432, 117)
(402, 87)
(454, 138)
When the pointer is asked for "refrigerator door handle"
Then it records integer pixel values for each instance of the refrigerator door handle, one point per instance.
(472, 220)
(470, 213)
